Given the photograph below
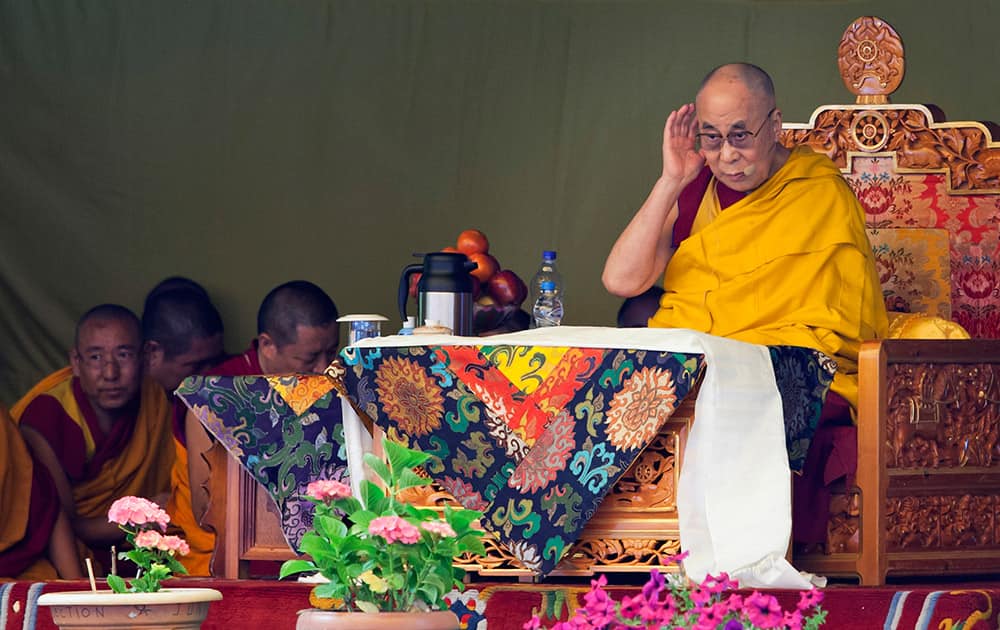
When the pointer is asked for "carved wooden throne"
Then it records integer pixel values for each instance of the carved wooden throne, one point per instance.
(926, 498)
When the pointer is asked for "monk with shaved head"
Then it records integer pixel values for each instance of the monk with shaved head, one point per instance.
(751, 240)
(100, 429)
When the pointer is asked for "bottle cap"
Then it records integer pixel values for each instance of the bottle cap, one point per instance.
(548, 254)
(548, 285)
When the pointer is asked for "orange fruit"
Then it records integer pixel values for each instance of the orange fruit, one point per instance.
(486, 266)
(472, 242)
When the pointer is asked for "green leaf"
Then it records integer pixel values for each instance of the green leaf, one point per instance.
(461, 520)
(378, 467)
(291, 567)
(361, 519)
(174, 565)
(430, 594)
(329, 527)
(421, 514)
(347, 505)
(401, 458)
(410, 479)
(319, 550)
(372, 497)
(117, 584)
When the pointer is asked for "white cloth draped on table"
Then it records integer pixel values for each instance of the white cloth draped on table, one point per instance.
(734, 496)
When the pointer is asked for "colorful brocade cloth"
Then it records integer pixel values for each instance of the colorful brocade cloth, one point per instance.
(285, 430)
(533, 436)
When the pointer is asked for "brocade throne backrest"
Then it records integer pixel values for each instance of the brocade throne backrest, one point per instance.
(930, 189)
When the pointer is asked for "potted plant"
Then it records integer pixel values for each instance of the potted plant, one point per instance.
(141, 602)
(674, 602)
(385, 561)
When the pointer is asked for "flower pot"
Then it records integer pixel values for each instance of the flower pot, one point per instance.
(168, 609)
(315, 619)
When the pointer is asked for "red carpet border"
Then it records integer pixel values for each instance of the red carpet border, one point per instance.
(273, 605)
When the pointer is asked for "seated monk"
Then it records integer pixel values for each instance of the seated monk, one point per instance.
(182, 334)
(297, 332)
(754, 241)
(100, 429)
(36, 541)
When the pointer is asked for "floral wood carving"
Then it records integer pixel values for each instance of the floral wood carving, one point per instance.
(587, 555)
(871, 61)
(965, 150)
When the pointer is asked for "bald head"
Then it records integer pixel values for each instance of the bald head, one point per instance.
(106, 313)
(293, 304)
(297, 329)
(753, 78)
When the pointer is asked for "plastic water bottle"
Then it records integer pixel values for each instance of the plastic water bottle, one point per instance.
(547, 271)
(548, 310)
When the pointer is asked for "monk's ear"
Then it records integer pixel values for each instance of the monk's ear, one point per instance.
(266, 346)
(75, 361)
(152, 353)
(777, 124)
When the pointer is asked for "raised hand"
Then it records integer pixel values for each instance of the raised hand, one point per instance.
(681, 160)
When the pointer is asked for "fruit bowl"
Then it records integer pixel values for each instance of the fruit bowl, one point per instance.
(491, 319)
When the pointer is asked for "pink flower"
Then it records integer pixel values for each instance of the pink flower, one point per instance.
(710, 617)
(792, 620)
(717, 584)
(328, 490)
(734, 603)
(700, 595)
(678, 558)
(137, 511)
(393, 528)
(150, 539)
(599, 607)
(763, 610)
(174, 544)
(441, 528)
(809, 599)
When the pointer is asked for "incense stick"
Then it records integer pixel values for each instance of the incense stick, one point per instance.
(90, 572)
(114, 561)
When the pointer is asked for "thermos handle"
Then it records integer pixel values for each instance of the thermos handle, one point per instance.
(404, 287)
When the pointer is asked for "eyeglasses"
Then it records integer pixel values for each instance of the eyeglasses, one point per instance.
(737, 138)
(96, 360)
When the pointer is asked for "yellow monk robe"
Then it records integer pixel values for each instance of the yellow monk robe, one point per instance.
(16, 468)
(28, 505)
(201, 541)
(789, 264)
(140, 468)
(59, 376)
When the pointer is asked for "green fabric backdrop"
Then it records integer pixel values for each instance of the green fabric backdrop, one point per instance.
(248, 142)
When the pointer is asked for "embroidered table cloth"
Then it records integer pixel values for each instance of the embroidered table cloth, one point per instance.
(285, 430)
(533, 428)
(529, 428)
